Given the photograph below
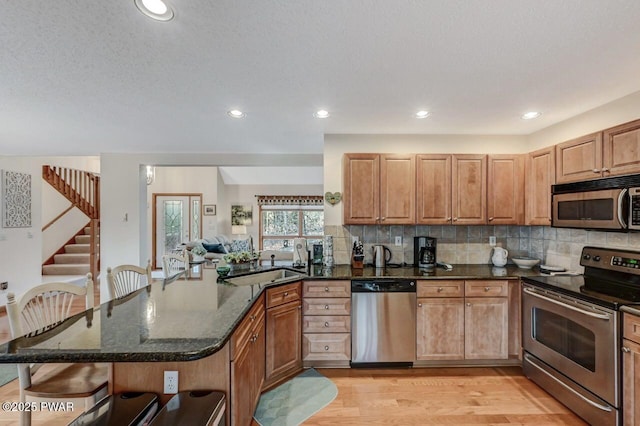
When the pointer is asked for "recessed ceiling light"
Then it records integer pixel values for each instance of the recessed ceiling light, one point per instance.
(155, 9)
(321, 113)
(236, 113)
(530, 115)
(422, 114)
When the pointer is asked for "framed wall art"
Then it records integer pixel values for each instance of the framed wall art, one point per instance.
(16, 199)
(209, 209)
(241, 214)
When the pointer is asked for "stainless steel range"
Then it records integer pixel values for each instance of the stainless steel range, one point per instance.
(571, 332)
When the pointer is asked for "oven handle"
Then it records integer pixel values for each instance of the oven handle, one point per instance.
(623, 223)
(564, 385)
(564, 305)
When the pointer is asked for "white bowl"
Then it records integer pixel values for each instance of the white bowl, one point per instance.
(525, 262)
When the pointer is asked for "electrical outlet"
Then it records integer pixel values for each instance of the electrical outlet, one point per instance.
(398, 241)
(4, 285)
(492, 241)
(170, 382)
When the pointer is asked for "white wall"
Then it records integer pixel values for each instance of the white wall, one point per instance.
(21, 248)
(335, 146)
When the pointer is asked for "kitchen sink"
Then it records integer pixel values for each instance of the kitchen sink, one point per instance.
(267, 277)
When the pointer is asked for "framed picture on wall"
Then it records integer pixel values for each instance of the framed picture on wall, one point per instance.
(241, 214)
(209, 209)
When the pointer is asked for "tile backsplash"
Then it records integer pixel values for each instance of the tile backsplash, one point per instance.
(470, 244)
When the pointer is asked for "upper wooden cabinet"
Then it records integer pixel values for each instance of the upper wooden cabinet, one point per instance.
(433, 199)
(505, 190)
(540, 175)
(621, 149)
(379, 189)
(469, 186)
(579, 159)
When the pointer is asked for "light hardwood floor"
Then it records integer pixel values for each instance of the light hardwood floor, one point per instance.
(420, 396)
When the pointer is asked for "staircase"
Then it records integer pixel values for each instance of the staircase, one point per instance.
(75, 256)
(80, 255)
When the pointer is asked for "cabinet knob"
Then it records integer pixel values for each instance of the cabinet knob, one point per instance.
(486, 289)
(420, 305)
(440, 289)
(252, 317)
(326, 289)
(626, 350)
(326, 306)
(596, 170)
(455, 219)
(299, 306)
(326, 324)
(326, 348)
(378, 218)
(383, 218)
(468, 304)
(449, 218)
(490, 219)
(605, 170)
(286, 293)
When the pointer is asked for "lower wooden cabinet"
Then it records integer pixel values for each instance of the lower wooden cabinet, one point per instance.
(486, 328)
(284, 333)
(247, 364)
(440, 329)
(631, 370)
(326, 347)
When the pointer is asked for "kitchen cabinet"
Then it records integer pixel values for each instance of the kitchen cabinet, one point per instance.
(379, 189)
(440, 320)
(631, 370)
(464, 320)
(505, 190)
(326, 323)
(579, 159)
(621, 149)
(283, 333)
(451, 189)
(540, 175)
(247, 364)
(469, 186)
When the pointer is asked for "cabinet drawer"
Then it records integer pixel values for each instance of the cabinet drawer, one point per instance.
(631, 327)
(326, 347)
(327, 288)
(489, 288)
(283, 294)
(444, 288)
(326, 324)
(326, 306)
(248, 327)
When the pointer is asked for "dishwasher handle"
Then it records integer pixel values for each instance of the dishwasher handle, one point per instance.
(383, 286)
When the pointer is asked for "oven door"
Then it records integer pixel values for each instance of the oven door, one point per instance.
(603, 209)
(577, 338)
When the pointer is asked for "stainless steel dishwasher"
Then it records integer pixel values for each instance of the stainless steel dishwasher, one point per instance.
(383, 323)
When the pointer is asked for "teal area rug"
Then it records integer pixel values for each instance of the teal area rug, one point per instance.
(295, 401)
(8, 372)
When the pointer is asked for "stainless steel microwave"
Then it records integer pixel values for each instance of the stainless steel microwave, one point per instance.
(607, 204)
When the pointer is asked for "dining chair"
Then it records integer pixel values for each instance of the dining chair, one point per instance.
(175, 263)
(125, 279)
(43, 308)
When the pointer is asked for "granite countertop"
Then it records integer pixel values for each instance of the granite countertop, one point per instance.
(186, 319)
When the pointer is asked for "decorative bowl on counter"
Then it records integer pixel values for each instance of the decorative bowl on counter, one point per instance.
(223, 271)
(525, 262)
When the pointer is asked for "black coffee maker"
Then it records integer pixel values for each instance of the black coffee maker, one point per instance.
(424, 252)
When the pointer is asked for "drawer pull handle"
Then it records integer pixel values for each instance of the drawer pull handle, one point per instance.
(326, 348)
(486, 289)
(326, 306)
(440, 289)
(326, 324)
(326, 289)
(626, 350)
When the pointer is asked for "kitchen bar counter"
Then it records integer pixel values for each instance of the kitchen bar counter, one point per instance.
(186, 319)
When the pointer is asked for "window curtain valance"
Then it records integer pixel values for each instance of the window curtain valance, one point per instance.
(290, 200)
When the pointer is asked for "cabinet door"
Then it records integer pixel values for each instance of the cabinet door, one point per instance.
(258, 355)
(540, 175)
(469, 183)
(486, 328)
(579, 159)
(397, 189)
(621, 149)
(505, 190)
(242, 382)
(631, 382)
(361, 190)
(284, 340)
(440, 329)
(433, 198)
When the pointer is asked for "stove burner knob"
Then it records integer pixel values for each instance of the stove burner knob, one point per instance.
(586, 256)
(596, 258)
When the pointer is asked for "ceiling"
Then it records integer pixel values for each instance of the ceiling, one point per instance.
(84, 78)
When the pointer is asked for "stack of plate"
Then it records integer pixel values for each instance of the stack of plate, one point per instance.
(547, 269)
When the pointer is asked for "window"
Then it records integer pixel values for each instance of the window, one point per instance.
(284, 218)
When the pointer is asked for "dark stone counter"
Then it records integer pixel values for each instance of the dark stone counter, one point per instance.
(186, 319)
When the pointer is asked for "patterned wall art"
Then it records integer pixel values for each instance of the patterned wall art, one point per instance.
(241, 214)
(16, 199)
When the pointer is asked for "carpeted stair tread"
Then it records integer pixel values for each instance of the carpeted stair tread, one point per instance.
(76, 248)
(65, 269)
(67, 258)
